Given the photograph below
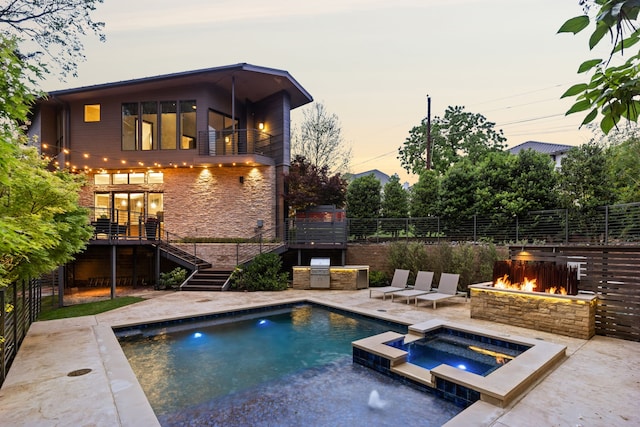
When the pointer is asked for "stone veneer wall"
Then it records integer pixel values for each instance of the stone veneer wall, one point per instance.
(570, 316)
(209, 202)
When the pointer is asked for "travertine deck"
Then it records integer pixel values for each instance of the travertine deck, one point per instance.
(596, 385)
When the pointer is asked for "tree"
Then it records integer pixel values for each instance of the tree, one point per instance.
(363, 202)
(395, 204)
(613, 90)
(458, 189)
(424, 195)
(307, 186)
(583, 179)
(41, 224)
(320, 141)
(456, 135)
(623, 161)
(55, 26)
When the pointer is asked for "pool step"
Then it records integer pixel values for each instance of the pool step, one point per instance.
(413, 372)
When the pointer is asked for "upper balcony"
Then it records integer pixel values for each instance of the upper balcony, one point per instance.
(237, 145)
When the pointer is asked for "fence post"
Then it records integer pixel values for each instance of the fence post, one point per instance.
(475, 229)
(606, 225)
(517, 229)
(566, 226)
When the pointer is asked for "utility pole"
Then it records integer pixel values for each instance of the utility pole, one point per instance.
(428, 132)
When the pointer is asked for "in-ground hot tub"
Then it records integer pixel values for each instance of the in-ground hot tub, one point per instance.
(528, 360)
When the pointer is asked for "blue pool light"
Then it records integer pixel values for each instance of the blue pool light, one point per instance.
(263, 322)
(463, 367)
(197, 335)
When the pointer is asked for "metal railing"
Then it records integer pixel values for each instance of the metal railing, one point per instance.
(233, 142)
(615, 224)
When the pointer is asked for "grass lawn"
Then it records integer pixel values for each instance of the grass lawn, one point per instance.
(50, 311)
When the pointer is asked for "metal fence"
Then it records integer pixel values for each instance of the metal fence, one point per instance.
(605, 225)
(20, 305)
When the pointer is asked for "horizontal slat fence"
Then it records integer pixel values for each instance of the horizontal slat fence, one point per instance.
(611, 272)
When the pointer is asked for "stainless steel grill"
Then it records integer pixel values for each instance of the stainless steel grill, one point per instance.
(320, 276)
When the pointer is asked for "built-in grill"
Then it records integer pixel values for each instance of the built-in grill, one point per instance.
(320, 277)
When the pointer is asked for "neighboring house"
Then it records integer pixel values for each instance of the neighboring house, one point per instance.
(380, 176)
(201, 153)
(556, 151)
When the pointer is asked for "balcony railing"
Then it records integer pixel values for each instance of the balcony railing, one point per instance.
(235, 142)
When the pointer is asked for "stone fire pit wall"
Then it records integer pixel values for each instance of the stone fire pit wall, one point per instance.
(570, 315)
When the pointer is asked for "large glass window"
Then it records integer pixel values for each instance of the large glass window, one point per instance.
(149, 125)
(188, 125)
(129, 126)
(168, 124)
(222, 129)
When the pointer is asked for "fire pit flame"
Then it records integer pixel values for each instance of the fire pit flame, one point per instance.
(528, 285)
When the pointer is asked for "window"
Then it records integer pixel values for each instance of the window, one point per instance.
(188, 125)
(120, 178)
(102, 179)
(156, 178)
(149, 125)
(136, 178)
(92, 113)
(129, 126)
(168, 125)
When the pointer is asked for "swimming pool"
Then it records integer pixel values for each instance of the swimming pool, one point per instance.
(285, 366)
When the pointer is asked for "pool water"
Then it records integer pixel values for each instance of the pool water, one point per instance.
(287, 367)
(462, 352)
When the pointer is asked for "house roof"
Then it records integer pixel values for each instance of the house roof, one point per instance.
(541, 147)
(252, 82)
(380, 176)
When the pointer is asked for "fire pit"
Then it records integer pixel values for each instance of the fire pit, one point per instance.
(513, 298)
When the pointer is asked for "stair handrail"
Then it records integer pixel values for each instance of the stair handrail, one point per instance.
(195, 271)
(254, 245)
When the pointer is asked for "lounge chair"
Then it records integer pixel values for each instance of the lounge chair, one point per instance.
(447, 288)
(398, 283)
(421, 287)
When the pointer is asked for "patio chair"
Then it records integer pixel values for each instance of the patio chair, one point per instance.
(398, 283)
(447, 288)
(421, 287)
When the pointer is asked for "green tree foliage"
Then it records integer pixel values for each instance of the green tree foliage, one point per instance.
(319, 140)
(458, 189)
(533, 180)
(41, 225)
(394, 204)
(423, 201)
(309, 185)
(364, 201)
(56, 27)
(583, 180)
(624, 170)
(613, 90)
(459, 134)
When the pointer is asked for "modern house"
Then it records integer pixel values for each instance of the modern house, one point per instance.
(556, 151)
(193, 154)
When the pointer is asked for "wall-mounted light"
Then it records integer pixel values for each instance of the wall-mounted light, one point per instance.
(241, 180)
(261, 126)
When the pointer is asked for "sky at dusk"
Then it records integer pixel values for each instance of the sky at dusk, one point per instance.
(370, 62)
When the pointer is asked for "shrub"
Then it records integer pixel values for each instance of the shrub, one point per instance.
(474, 263)
(378, 278)
(262, 274)
(172, 279)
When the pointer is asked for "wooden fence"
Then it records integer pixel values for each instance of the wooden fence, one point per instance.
(20, 305)
(611, 272)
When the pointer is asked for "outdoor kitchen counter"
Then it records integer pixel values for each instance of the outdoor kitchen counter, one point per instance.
(345, 277)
